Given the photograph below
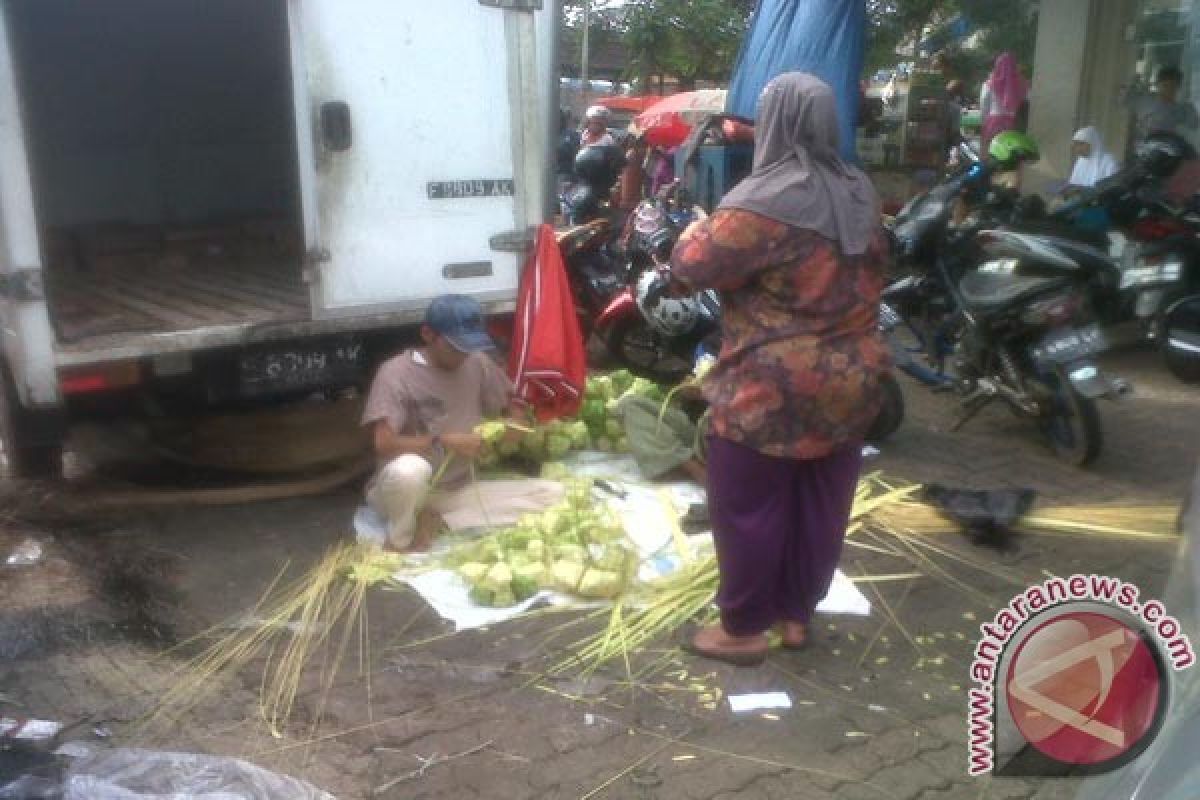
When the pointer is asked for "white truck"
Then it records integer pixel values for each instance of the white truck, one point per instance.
(208, 204)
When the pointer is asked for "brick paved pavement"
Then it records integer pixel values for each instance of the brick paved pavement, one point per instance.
(871, 720)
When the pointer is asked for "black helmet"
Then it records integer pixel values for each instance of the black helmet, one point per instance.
(582, 204)
(599, 166)
(1160, 154)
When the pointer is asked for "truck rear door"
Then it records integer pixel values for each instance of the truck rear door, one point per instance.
(420, 149)
(28, 337)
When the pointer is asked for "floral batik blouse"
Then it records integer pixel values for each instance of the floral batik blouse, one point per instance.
(801, 359)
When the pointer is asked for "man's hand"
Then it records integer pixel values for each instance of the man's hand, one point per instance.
(466, 445)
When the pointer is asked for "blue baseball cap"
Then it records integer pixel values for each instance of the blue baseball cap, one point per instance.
(460, 319)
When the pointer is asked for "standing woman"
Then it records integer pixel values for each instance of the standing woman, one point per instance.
(797, 253)
(1002, 101)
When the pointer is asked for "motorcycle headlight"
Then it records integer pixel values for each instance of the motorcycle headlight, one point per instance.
(1148, 273)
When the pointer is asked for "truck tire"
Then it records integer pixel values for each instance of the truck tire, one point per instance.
(32, 440)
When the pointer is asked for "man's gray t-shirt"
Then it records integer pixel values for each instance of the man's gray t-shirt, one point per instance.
(416, 398)
(1154, 115)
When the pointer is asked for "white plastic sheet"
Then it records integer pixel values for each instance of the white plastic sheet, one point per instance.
(644, 510)
(131, 774)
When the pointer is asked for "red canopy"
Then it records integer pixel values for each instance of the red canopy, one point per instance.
(623, 103)
(669, 121)
(547, 362)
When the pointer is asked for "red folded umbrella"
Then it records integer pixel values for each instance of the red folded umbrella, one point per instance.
(547, 362)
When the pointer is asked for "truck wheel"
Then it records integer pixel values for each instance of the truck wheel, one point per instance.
(32, 441)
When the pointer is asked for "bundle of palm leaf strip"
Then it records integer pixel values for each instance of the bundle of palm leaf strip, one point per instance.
(1147, 522)
(316, 616)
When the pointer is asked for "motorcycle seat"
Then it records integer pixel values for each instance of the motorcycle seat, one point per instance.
(990, 291)
(1065, 230)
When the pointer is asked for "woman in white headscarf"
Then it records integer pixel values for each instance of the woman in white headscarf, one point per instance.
(1093, 163)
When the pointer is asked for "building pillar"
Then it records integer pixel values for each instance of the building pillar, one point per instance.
(1084, 55)
(1058, 77)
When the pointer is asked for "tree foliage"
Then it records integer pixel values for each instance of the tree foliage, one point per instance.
(1009, 25)
(691, 40)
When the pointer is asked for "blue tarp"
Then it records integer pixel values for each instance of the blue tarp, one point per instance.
(824, 37)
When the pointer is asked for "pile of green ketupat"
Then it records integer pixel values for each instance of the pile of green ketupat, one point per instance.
(598, 426)
(577, 547)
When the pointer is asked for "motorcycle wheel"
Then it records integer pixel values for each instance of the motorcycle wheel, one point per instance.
(1073, 425)
(891, 413)
(637, 346)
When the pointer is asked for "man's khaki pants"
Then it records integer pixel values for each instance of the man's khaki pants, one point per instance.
(401, 490)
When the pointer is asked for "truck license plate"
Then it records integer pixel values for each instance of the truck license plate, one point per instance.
(274, 370)
(1067, 345)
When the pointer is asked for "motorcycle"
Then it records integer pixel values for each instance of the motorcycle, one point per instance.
(594, 269)
(1011, 311)
(661, 353)
(596, 171)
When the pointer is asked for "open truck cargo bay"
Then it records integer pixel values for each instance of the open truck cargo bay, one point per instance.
(211, 173)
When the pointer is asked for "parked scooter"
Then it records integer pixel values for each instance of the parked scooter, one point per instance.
(1153, 242)
(1012, 311)
(656, 347)
(596, 169)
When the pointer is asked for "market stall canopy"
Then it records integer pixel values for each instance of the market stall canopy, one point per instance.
(635, 104)
(668, 122)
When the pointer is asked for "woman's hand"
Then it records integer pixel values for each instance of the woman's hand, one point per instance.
(466, 445)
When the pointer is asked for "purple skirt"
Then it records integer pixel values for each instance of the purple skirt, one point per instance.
(778, 527)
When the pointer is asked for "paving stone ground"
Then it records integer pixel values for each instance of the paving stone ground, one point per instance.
(874, 716)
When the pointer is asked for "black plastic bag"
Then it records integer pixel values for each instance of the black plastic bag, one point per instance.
(988, 515)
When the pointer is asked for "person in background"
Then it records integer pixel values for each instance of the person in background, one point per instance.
(595, 128)
(1092, 162)
(1162, 111)
(567, 147)
(422, 411)
(1003, 100)
(798, 253)
(633, 177)
(955, 102)
(662, 169)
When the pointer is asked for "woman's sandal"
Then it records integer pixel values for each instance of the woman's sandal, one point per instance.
(792, 645)
(737, 658)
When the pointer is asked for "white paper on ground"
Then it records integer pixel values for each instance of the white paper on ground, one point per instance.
(28, 729)
(844, 598)
(760, 701)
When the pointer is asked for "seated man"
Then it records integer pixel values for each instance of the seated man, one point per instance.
(423, 409)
